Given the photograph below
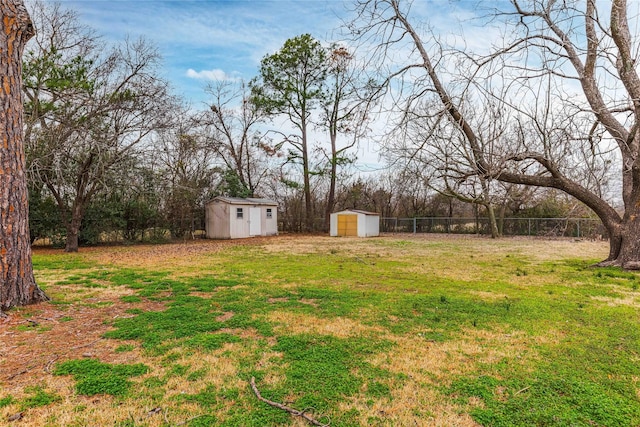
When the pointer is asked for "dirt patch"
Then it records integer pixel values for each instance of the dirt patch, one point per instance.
(341, 327)
(417, 400)
(167, 255)
(312, 302)
(629, 300)
(37, 337)
(225, 316)
(489, 296)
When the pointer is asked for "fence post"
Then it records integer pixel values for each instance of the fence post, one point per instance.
(578, 226)
(529, 231)
(415, 225)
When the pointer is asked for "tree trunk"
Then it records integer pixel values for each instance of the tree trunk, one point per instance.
(71, 243)
(17, 282)
(492, 221)
(501, 214)
(73, 225)
(331, 199)
(624, 242)
(307, 183)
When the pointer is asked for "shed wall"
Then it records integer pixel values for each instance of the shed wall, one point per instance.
(333, 224)
(269, 225)
(217, 221)
(372, 225)
(222, 220)
(239, 227)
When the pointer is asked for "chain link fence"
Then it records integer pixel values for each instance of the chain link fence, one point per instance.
(101, 233)
(547, 227)
(97, 232)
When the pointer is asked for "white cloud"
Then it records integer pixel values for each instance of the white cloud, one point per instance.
(216, 74)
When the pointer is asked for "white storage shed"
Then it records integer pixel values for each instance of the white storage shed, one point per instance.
(237, 218)
(354, 222)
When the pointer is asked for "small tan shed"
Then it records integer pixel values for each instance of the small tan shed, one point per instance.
(354, 222)
(237, 218)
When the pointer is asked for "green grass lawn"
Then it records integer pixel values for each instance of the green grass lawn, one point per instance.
(391, 331)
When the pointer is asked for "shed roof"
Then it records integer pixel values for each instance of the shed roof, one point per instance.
(360, 212)
(243, 201)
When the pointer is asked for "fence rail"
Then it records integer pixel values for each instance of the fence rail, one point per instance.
(550, 227)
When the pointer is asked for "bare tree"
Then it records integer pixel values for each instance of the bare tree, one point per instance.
(17, 282)
(185, 164)
(424, 144)
(231, 131)
(89, 107)
(346, 102)
(585, 66)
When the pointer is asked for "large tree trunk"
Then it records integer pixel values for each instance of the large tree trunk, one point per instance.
(624, 242)
(73, 230)
(17, 283)
(71, 243)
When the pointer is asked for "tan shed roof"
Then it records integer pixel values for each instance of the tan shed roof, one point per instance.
(243, 201)
(360, 212)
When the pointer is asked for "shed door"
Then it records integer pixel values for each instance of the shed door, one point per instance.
(255, 222)
(347, 225)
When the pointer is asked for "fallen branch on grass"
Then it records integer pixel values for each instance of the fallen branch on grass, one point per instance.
(47, 367)
(292, 411)
(85, 345)
(10, 377)
(15, 417)
(522, 390)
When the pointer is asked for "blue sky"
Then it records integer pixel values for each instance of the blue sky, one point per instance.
(205, 39)
(202, 40)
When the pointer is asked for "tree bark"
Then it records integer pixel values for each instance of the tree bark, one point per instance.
(307, 182)
(492, 221)
(17, 282)
(73, 230)
(77, 214)
(501, 214)
(331, 198)
(624, 242)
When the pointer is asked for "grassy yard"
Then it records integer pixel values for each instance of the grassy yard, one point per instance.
(391, 331)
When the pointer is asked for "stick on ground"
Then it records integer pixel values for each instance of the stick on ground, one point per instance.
(292, 411)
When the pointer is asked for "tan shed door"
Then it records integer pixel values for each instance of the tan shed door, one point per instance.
(255, 220)
(347, 225)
